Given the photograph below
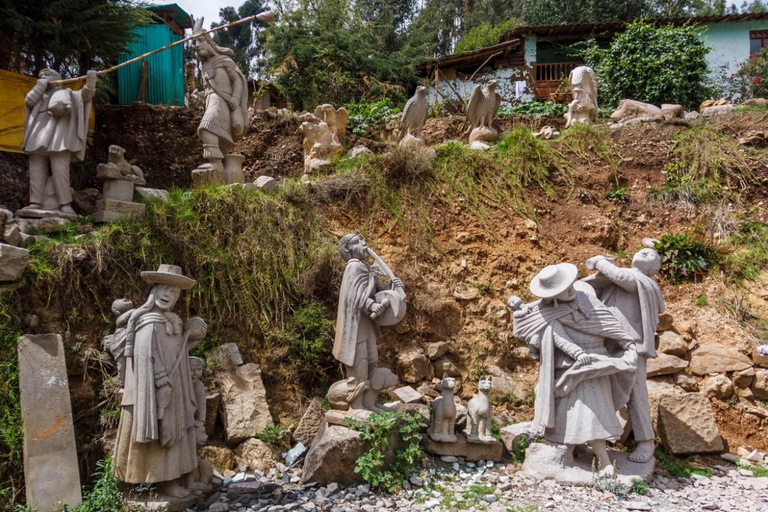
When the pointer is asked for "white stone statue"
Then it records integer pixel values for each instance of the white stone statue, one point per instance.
(323, 132)
(583, 107)
(225, 120)
(55, 131)
(588, 362)
(482, 107)
(156, 439)
(115, 343)
(634, 293)
(364, 303)
(479, 414)
(414, 115)
(444, 413)
(196, 366)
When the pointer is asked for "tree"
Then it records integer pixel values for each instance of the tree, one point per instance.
(563, 12)
(243, 38)
(652, 64)
(70, 36)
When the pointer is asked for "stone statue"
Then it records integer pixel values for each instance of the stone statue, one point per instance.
(196, 366)
(444, 411)
(336, 119)
(55, 131)
(588, 362)
(226, 101)
(637, 297)
(482, 107)
(323, 132)
(341, 394)
(115, 343)
(363, 303)
(479, 414)
(156, 440)
(583, 107)
(119, 178)
(414, 114)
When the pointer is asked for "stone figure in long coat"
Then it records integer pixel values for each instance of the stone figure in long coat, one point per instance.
(225, 120)
(156, 438)
(55, 131)
(587, 358)
(637, 298)
(356, 331)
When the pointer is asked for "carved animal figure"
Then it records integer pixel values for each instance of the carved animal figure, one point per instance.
(116, 160)
(583, 108)
(483, 105)
(444, 409)
(414, 114)
(479, 414)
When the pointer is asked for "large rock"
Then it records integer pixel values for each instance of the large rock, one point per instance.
(504, 386)
(257, 455)
(717, 359)
(212, 402)
(760, 356)
(244, 409)
(225, 357)
(718, 110)
(673, 344)
(687, 425)
(658, 389)
(631, 110)
(221, 457)
(717, 386)
(760, 385)
(13, 262)
(309, 423)
(513, 435)
(461, 448)
(672, 110)
(50, 454)
(445, 366)
(437, 350)
(413, 366)
(665, 364)
(686, 382)
(744, 378)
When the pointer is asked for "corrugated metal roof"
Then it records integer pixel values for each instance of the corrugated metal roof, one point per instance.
(165, 84)
(596, 28)
(474, 55)
(180, 15)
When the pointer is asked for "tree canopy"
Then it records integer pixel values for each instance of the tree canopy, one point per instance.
(243, 38)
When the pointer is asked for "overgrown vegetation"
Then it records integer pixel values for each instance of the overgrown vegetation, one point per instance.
(378, 430)
(751, 79)
(678, 468)
(485, 34)
(535, 109)
(705, 166)
(749, 259)
(105, 496)
(364, 116)
(273, 434)
(684, 257)
(652, 64)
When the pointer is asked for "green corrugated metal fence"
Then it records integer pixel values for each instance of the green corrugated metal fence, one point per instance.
(165, 85)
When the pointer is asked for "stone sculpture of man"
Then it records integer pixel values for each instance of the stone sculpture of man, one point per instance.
(356, 331)
(587, 358)
(55, 131)
(226, 99)
(156, 439)
(634, 293)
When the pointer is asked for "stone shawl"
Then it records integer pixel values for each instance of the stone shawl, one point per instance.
(44, 133)
(158, 344)
(218, 118)
(534, 324)
(649, 295)
(357, 286)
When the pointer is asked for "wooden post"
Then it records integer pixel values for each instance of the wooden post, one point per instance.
(143, 81)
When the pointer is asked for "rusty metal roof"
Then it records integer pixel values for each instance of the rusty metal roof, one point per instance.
(475, 56)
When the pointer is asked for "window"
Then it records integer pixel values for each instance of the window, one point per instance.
(757, 39)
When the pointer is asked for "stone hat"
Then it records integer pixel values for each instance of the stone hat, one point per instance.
(168, 274)
(554, 279)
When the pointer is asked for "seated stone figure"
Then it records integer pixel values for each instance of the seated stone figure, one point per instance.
(588, 362)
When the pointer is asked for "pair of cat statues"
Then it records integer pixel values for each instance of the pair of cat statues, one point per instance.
(478, 429)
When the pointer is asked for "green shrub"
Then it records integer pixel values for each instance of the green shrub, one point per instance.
(378, 430)
(364, 116)
(751, 80)
(535, 109)
(105, 496)
(618, 195)
(485, 34)
(684, 257)
(678, 468)
(273, 434)
(309, 337)
(639, 486)
(749, 259)
(652, 64)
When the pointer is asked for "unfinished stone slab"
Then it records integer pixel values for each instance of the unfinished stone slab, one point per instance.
(13, 262)
(50, 454)
(545, 461)
(244, 408)
(110, 210)
(760, 385)
(665, 364)
(672, 110)
(45, 225)
(408, 395)
(717, 359)
(718, 110)
(309, 423)
(512, 435)
(151, 193)
(637, 111)
(462, 448)
(267, 183)
(687, 425)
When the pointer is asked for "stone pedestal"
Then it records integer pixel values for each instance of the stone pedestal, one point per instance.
(50, 455)
(462, 448)
(41, 213)
(110, 210)
(233, 168)
(117, 197)
(207, 175)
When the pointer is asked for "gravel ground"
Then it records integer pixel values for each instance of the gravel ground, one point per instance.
(490, 487)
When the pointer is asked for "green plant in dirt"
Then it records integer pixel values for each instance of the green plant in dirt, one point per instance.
(639, 486)
(749, 259)
(684, 257)
(11, 425)
(652, 64)
(365, 116)
(702, 301)
(751, 79)
(757, 471)
(705, 166)
(377, 430)
(584, 140)
(484, 34)
(618, 195)
(534, 109)
(273, 434)
(495, 430)
(678, 468)
(309, 338)
(105, 495)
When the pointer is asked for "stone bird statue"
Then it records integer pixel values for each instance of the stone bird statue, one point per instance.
(414, 114)
(483, 104)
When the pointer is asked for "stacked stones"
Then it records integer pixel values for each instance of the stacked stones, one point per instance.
(119, 179)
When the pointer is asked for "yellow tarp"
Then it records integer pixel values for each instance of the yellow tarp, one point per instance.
(13, 89)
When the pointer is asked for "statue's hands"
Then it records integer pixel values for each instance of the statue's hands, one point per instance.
(377, 309)
(233, 105)
(90, 78)
(398, 283)
(43, 83)
(196, 327)
(592, 262)
(584, 360)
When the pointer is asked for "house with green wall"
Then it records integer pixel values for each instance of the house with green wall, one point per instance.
(530, 62)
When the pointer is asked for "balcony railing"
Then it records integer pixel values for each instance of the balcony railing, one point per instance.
(549, 76)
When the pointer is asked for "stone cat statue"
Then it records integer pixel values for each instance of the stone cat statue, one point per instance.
(444, 409)
(479, 414)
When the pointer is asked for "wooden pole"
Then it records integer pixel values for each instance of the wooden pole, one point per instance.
(264, 16)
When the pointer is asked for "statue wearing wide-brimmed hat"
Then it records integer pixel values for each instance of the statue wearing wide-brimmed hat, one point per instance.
(156, 439)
